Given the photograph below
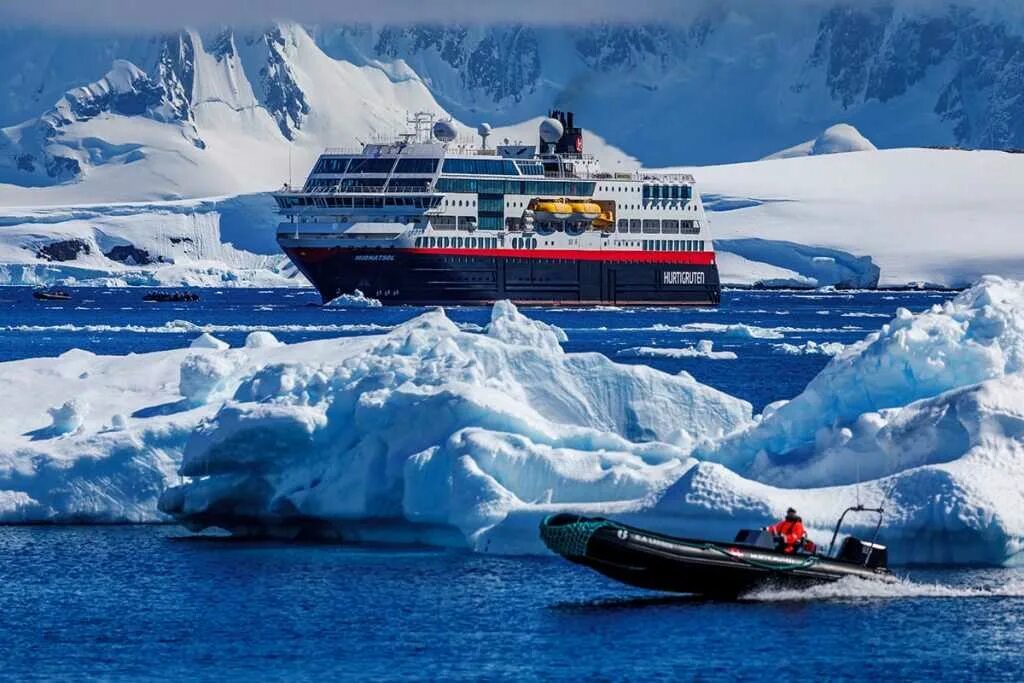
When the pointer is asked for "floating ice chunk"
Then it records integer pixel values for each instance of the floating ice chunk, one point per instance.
(809, 348)
(354, 300)
(68, 417)
(208, 341)
(703, 349)
(261, 339)
(728, 329)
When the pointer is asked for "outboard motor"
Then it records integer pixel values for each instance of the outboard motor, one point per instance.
(870, 555)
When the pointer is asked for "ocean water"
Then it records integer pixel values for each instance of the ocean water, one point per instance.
(151, 603)
(156, 603)
(117, 321)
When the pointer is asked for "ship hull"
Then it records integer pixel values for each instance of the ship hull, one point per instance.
(418, 277)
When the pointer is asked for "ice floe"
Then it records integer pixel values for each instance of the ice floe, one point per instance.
(809, 348)
(354, 300)
(705, 348)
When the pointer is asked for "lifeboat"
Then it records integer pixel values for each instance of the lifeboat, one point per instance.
(588, 210)
(607, 218)
(558, 209)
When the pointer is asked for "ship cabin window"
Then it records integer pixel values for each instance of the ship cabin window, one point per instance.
(320, 185)
(408, 184)
(480, 166)
(652, 227)
(530, 168)
(371, 165)
(412, 165)
(670, 226)
(634, 225)
(331, 165)
(623, 225)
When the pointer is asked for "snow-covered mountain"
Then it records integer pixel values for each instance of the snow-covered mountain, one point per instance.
(732, 83)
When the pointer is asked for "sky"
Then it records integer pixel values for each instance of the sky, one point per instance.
(157, 14)
(133, 15)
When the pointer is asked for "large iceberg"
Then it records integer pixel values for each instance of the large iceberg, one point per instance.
(429, 430)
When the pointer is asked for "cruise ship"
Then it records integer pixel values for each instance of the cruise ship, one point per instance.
(425, 219)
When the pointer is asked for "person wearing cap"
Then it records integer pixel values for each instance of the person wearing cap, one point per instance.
(790, 531)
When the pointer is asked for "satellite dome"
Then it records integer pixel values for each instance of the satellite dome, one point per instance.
(483, 130)
(551, 130)
(444, 131)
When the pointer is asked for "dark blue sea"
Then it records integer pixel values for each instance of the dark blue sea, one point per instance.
(156, 603)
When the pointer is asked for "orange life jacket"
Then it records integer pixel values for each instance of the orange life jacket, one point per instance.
(792, 532)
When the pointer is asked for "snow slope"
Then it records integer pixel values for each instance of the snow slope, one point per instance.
(429, 433)
(836, 139)
(217, 242)
(900, 216)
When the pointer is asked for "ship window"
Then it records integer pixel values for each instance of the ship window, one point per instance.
(623, 225)
(331, 165)
(371, 165)
(652, 227)
(444, 242)
(634, 225)
(409, 165)
(670, 226)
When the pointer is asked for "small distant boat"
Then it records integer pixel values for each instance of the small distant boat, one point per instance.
(171, 297)
(51, 295)
(654, 561)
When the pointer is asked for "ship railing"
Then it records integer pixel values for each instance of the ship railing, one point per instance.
(343, 150)
(640, 176)
(377, 189)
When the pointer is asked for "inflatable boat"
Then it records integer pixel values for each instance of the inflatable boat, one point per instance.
(682, 565)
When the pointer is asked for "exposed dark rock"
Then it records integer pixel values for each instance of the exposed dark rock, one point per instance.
(131, 255)
(63, 250)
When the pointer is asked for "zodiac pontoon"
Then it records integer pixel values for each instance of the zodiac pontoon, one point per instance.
(681, 565)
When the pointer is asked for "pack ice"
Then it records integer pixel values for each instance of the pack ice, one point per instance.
(434, 434)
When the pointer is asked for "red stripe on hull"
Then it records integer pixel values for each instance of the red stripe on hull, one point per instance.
(697, 258)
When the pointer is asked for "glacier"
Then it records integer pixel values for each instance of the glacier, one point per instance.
(430, 433)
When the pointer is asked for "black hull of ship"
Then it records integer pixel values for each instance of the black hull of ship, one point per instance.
(415, 278)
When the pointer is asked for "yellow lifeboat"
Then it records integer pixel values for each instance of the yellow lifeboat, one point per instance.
(605, 219)
(588, 210)
(552, 208)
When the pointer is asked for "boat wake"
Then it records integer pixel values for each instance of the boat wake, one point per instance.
(854, 588)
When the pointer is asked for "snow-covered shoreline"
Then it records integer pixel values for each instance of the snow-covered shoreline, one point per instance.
(460, 437)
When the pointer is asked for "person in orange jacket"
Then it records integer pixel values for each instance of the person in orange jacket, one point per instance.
(790, 530)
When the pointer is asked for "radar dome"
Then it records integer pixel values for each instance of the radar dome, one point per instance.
(444, 131)
(551, 130)
(483, 130)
